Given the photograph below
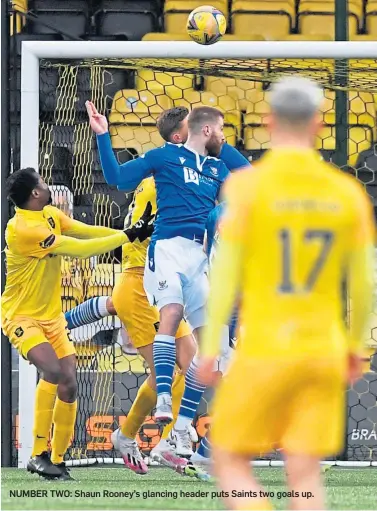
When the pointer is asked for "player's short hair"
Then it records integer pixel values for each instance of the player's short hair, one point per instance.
(202, 115)
(20, 184)
(295, 99)
(170, 121)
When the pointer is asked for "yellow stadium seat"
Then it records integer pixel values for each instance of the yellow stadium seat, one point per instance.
(176, 12)
(17, 21)
(102, 281)
(138, 138)
(240, 89)
(224, 102)
(273, 18)
(183, 36)
(167, 36)
(318, 17)
(371, 18)
(171, 84)
(257, 107)
(256, 138)
(363, 72)
(131, 106)
(362, 108)
(308, 37)
(72, 284)
(363, 37)
(360, 137)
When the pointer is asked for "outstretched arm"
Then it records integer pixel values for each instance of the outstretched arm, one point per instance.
(126, 176)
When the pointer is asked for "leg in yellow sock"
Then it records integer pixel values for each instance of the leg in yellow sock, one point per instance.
(177, 391)
(64, 418)
(43, 409)
(144, 402)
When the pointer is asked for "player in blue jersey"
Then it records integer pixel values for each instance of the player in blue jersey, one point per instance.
(188, 181)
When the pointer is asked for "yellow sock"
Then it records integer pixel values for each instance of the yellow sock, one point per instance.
(145, 401)
(64, 422)
(260, 504)
(44, 405)
(177, 391)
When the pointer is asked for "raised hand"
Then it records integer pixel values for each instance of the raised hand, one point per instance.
(98, 122)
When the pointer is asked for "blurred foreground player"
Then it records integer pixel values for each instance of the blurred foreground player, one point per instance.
(31, 307)
(294, 228)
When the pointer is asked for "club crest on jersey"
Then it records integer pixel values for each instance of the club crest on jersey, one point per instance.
(214, 171)
(19, 332)
(190, 175)
(51, 221)
(162, 285)
(48, 241)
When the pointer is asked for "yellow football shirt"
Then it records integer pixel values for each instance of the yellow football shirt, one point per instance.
(35, 242)
(296, 221)
(134, 254)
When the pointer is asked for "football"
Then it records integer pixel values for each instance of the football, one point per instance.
(206, 24)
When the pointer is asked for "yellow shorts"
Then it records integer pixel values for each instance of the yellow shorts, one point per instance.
(133, 309)
(25, 333)
(296, 405)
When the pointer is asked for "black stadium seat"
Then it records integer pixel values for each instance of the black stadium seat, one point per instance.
(69, 16)
(127, 19)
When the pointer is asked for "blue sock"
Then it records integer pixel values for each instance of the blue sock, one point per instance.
(191, 397)
(88, 312)
(164, 362)
(205, 447)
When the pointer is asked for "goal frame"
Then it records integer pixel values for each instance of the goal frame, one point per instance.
(33, 51)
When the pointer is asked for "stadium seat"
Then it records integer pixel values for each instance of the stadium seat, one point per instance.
(176, 12)
(69, 16)
(135, 139)
(224, 102)
(167, 36)
(275, 19)
(318, 17)
(308, 37)
(131, 20)
(239, 89)
(101, 281)
(183, 36)
(371, 18)
(17, 21)
(131, 106)
(171, 84)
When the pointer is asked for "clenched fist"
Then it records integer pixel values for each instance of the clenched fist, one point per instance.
(98, 122)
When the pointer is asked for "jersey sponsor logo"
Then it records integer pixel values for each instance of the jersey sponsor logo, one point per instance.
(48, 241)
(51, 221)
(162, 285)
(190, 175)
(182, 160)
(214, 171)
(19, 332)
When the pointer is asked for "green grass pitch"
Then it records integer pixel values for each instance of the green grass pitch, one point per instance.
(346, 489)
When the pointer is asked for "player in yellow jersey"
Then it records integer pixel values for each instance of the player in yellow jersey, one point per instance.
(36, 238)
(294, 228)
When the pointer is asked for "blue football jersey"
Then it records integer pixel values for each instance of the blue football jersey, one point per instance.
(232, 158)
(187, 183)
(212, 229)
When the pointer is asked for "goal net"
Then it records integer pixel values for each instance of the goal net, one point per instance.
(132, 92)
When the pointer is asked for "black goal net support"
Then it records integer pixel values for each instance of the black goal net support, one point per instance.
(132, 93)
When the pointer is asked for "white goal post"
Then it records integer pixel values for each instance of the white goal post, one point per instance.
(33, 51)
